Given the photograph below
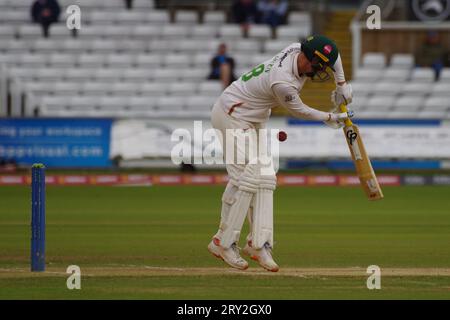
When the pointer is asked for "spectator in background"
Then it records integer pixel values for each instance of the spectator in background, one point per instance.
(245, 12)
(129, 4)
(273, 13)
(45, 12)
(432, 53)
(222, 66)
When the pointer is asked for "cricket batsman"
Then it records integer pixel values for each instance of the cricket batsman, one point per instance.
(246, 105)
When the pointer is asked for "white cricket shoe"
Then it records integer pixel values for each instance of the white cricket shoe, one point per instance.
(230, 255)
(263, 256)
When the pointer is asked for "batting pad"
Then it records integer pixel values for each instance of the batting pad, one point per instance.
(248, 186)
(262, 226)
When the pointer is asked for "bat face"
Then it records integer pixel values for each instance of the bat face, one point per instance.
(362, 163)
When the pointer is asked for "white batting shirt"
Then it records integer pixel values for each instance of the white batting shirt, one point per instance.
(272, 83)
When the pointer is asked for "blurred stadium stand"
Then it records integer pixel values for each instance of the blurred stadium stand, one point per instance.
(161, 51)
(122, 54)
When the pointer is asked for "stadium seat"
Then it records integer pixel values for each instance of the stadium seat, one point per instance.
(200, 103)
(243, 60)
(437, 104)
(177, 60)
(143, 4)
(100, 17)
(13, 17)
(95, 88)
(60, 31)
(119, 60)
(174, 31)
(166, 75)
(245, 46)
(392, 74)
(78, 74)
(87, 103)
(210, 88)
(104, 46)
(366, 75)
(195, 45)
(258, 58)
(230, 31)
(273, 47)
(49, 74)
(113, 106)
(445, 75)
(9, 58)
(125, 88)
(15, 46)
(362, 89)
(7, 32)
(45, 45)
(380, 103)
(54, 106)
(141, 103)
(67, 88)
(133, 17)
(293, 33)
(92, 32)
(75, 46)
(402, 61)
(29, 31)
(374, 60)
(260, 31)
(186, 17)
(197, 74)
(416, 89)
(441, 89)
(33, 60)
(108, 75)
(422, 75)
(139, 74)
(214, 18)
(299, 18)
(202, 59)
(133, 46)
(182, 89)
(154, 89)
(158, 17)
(145, 32)
(91, 60)
(162, 46)
(408, 103)
(170, 103)
(204, 31)
(149, 60)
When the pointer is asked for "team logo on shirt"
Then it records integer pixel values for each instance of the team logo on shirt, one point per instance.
(327, 49)
(289, 98)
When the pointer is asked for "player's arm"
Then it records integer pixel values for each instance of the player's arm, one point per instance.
(343, 92)
(288, 97)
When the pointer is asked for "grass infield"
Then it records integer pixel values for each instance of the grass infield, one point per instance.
(150, 243)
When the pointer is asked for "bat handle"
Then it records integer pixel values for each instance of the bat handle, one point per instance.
(347, 122)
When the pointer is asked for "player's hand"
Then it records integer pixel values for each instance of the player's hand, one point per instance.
(336, 120)
(342, 94)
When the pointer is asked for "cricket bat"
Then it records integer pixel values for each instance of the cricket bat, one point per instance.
(362, 162)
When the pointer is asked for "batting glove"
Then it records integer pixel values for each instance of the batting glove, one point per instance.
(342, 94)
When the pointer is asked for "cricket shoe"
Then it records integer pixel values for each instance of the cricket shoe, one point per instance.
(263, 256)
(229, 255)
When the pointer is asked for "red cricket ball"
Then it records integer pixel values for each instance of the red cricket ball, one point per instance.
(282, 136)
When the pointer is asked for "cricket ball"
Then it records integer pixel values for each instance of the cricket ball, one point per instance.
(282, 136)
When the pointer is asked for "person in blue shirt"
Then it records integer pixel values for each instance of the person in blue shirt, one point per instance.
(222, 66)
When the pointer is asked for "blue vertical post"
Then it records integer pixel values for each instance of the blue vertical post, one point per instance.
(38, 217)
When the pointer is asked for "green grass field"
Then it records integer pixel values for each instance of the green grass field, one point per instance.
(150, 243)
